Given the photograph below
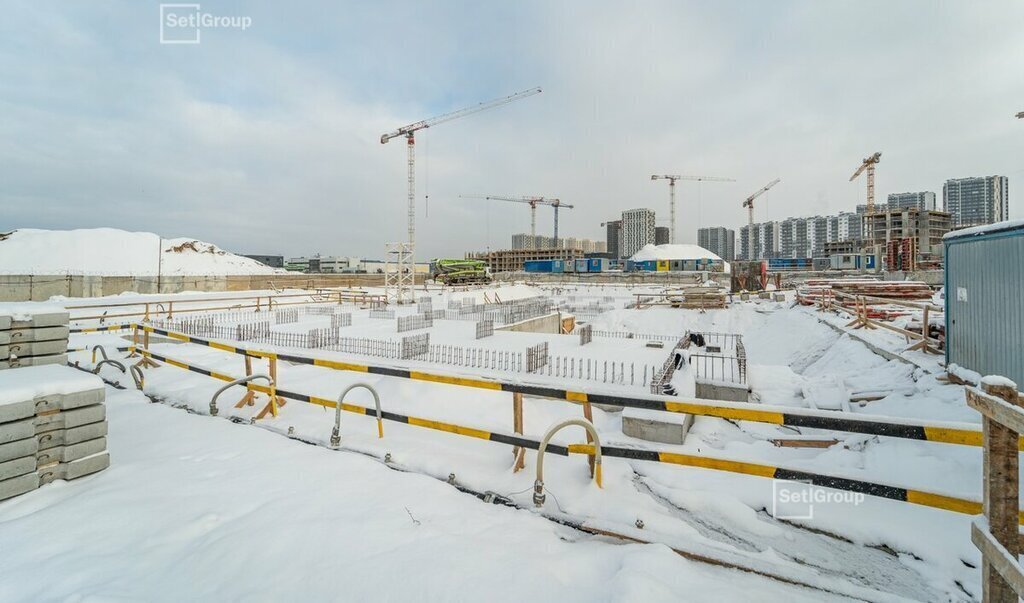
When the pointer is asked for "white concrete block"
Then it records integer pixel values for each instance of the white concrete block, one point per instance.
(66, 454)
(66, 437)
(41, 319)
(18, 449)
(656, 426)
(27, 361)
(36, 348)
(67, 419)
(16, 467)
(75, 469)
(5, 322)
(15, 486)
(17, 430)
(39, 334)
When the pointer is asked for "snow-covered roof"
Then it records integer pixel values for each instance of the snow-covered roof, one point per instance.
(673, 252)
(985, 229)
(110, 251)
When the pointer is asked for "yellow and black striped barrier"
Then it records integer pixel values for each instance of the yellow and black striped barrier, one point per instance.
(897, 493)
(946, 433)
(503, 438)
(123, 327)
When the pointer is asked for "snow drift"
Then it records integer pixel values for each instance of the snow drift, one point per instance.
(114, 252)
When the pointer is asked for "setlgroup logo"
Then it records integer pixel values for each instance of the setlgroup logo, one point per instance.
(183, 23)
(798, 499)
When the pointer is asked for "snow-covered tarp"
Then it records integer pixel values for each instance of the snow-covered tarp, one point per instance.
(985, 229)
(673, 252)
(110, 251)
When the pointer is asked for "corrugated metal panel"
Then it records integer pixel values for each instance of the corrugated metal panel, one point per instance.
(985, 303)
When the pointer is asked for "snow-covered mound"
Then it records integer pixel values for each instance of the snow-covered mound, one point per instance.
(673, 252)
(110, 251)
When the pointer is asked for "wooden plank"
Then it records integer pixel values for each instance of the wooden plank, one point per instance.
(1001, 486)
(997, 558)
(997, 409)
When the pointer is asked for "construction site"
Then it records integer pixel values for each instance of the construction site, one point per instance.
(772, 381)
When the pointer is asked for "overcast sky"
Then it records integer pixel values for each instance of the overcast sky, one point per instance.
(267, 140)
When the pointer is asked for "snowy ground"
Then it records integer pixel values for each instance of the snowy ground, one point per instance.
(795, 360)
(199, 509)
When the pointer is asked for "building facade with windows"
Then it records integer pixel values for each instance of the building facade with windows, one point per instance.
(924, 200)
(637, 230)
(977, 201)
(719, 240)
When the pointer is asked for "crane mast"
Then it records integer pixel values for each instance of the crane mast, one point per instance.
(749, 204)
(672, 195)
(869, 165)
(405, 251)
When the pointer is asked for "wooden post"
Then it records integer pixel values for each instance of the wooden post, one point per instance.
(1002, 493)
(517, 425)
(170, 309)
(247, 399)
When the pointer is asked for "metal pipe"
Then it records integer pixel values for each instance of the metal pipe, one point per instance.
(103, 353)
(140, 379)
(336, 433)
(538, 485)
(96, 369)
(246, 379)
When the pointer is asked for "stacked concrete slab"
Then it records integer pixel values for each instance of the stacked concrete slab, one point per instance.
(52, 426)
(32, 335)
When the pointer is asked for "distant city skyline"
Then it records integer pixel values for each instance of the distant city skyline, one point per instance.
(266, 140)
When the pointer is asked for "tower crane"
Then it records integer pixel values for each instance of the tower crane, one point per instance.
(672, 195)
(749, 204)
(409, 132)
(869, 165)
(533, 202)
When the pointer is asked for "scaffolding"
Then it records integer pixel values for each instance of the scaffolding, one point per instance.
(399, 273)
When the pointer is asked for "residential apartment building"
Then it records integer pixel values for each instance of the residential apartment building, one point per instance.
(662, 235)
(976, 201)
(637, 230)
(718, 240)
(926, 228)
(923, 201)
(526, 241)
(613, 238)
(760, 243)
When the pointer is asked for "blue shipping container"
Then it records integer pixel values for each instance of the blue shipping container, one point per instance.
(594, 265)
(537, 265)
(557, 266)
(581, 265)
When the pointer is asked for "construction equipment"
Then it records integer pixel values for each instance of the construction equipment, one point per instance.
(749, 204)
(533, 202)
(405, 251)
(1020, 115)
(459, 272)
(869, 165)
(672, 195)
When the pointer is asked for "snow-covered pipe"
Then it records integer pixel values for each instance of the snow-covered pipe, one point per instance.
(336, 433)
(96, 369)
(103, 353)
(140, 379)
(538, 486)
(246, 379)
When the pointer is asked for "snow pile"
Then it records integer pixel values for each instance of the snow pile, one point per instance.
(673, 252)
(110, 251)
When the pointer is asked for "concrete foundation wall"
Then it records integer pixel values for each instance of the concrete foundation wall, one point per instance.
(722, 391)
(42, 288)
(552, 323)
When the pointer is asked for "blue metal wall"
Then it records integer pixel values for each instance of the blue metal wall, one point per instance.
(985, 302)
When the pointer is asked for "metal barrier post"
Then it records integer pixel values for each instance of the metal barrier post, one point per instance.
(518, 452)
(336, 432)
(538, 485)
